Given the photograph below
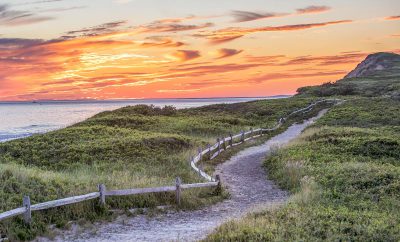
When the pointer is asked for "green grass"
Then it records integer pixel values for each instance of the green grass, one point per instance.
(344, 173)
(132, 147)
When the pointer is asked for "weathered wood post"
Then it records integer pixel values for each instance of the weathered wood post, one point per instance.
(242, 137)
(178, 183)
(218, 190)
(224, 143)
(209, 151)
(102, 191)
(28, 214)
(200, 168)
(200, 150)
(231, 140)
(251, 132)
(219, 145)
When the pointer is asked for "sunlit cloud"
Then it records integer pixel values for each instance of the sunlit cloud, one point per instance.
(9, 17)
(313, 9)
(246, 16)
(223, 53)
(229, 34)
(327, 60)
(159, 41)
(184, 55)
(393, 17)
(171, 56)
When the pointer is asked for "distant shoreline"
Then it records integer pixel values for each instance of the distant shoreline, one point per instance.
(137, 100)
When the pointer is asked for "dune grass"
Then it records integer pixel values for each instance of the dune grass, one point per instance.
(344, 173)
(132, 147)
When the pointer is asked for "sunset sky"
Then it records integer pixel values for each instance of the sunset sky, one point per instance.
(119, 49)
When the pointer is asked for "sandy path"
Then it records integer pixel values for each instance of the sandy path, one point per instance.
(246, 181)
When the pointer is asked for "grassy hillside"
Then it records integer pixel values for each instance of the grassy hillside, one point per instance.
(344, 172)
(345, 177)
(138, 146)
(370, 83)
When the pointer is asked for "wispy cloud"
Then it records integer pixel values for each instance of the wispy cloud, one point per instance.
(229, 34)
(99, 29)
(345, 58)
(159, 41)
(313, 9)
(39, 2)
(162, 26)
(9, 17)
(393, 17)
(245, 16)
(295, 75)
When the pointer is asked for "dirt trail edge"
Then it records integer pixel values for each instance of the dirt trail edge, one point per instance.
(244, 177)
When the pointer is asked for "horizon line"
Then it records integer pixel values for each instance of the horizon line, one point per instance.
(135, 99)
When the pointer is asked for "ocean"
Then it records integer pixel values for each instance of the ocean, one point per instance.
(23, 119)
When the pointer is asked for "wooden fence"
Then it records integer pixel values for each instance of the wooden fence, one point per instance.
(227, 142)
(221, 145)
(27, 208)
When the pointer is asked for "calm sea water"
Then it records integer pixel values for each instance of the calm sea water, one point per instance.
(18, 120)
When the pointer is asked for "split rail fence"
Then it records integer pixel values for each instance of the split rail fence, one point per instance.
(221, 145)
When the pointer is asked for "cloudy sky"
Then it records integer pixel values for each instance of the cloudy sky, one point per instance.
(117, 49)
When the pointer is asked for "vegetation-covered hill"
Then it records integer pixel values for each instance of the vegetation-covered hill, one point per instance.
(377, 75)
(139, 146)
(344, 171)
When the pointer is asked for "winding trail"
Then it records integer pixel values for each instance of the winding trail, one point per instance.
(246, 181)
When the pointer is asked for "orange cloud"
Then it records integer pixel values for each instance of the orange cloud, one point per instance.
(184, 55)
(157, 41)
(229, 34)
(223, 53)
(327, 60)
(393, 17)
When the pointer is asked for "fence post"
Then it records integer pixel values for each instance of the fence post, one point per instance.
(209, 151)
(26, 202)
(219, 186)
(231, 140)
(178, 183)
(102, 191)
(224, 143)
(200, 168)
(219, 144)
(200, 150)
(242, 137)
(251, 132)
